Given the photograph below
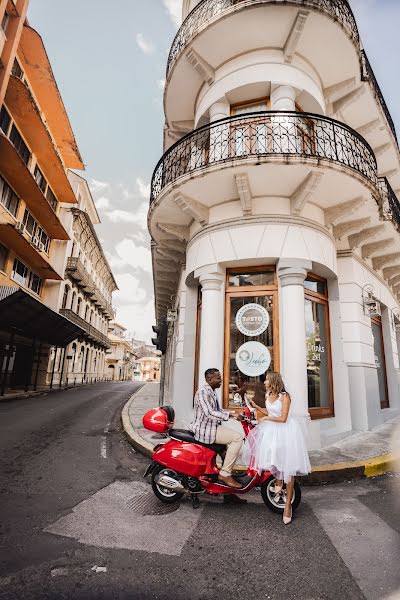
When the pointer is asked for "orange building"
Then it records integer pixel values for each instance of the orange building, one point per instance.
(37, 147)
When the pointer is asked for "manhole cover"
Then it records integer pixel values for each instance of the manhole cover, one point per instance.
(147, 505)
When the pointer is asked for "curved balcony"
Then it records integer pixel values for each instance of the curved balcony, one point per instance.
(208, 11)
(266, 137)
(90, 333)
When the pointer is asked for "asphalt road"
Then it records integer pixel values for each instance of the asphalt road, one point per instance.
(79, 522)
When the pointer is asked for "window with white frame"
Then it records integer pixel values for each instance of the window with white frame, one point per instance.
(24, 276)
(8, 197)
(37, 234)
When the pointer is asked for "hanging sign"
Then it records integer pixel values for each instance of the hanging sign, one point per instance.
(253, 359)
(252, 319)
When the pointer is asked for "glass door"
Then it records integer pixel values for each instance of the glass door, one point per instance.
(251, 335)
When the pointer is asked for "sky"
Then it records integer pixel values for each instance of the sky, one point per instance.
(110, 69)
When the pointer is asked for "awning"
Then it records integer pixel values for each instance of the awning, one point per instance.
(25, 113)
(21, 180)
(35, 62)
(25, 315)
(16, 241)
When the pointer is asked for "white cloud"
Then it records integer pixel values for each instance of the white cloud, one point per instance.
(102, 203)
(138, 319)
(161, 84)
(97, 186)
(145, 46)
(144, 188)
(139, 217)
(130, 290)
(135, 256)
(174, 9)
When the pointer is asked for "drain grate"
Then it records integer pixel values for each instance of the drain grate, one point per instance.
(147, 505)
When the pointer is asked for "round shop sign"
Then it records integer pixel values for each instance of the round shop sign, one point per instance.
(252, 319)
(253, 359)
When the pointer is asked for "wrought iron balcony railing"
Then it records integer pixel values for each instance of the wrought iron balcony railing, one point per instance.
(103, 304)
(209, 10)
(367, 74)
(265, 135)
(389, 205)
(92, 334)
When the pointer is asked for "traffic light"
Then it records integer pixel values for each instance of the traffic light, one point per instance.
(161, 331)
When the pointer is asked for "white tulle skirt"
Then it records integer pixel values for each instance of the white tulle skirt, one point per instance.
(279, 448)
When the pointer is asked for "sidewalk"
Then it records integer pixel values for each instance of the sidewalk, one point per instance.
(364, 454)
(11, 395)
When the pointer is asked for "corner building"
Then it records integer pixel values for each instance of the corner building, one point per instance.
(278, 189)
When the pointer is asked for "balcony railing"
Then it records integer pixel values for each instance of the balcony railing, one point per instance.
(76, 270)
(265, 135)
(367, 74)
(209, 10)
(92, 334)
(102, 303)
(389, 204)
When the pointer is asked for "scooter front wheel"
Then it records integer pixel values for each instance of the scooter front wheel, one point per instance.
(276, 502)
(163, 493)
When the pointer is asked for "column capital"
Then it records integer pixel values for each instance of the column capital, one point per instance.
(210, 277)
(293, 272)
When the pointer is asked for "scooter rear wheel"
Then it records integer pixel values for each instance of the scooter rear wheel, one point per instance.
(275, 503)
(162, 493)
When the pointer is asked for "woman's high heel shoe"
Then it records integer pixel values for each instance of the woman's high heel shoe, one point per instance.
(287, 520)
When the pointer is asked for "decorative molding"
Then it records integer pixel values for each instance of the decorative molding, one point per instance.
(197, 211)
(394, 281)
(304, 191)
(294, 36)
(337, 90)
(343, 229)
(180, 231)
(356, 239)
(382, 149)
(244, 192)
(201, 66)
(369, 127)
(390, 272)
(165, 264)
(369, 249)
(176, 257)
(183, 126)
(335, 213)
(348, 99)
(381, 261)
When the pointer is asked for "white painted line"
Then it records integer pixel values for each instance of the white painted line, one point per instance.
(103, 449)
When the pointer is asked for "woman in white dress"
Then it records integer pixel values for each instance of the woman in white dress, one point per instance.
(277, 443)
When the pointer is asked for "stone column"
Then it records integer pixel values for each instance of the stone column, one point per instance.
(283, 98)
(291, 274)
(219, 134)
(212, 319)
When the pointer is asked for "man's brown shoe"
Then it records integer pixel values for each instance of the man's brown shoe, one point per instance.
(229, 481)
(233, 499)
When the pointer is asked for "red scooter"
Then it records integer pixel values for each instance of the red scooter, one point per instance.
(182, 465)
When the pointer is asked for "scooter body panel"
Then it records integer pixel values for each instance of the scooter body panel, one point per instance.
(186, 458)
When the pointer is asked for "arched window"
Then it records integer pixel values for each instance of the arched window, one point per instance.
(65, 296)
(86, 311)
(78, 306)
(73, 300)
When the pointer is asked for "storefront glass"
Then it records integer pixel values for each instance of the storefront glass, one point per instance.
(380, 361)
(319, 373)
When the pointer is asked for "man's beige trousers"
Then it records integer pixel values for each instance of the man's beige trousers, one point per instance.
(233, 442)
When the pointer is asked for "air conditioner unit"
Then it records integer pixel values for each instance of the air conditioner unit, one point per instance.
(35, 242)
(42, 247)
(19, 226)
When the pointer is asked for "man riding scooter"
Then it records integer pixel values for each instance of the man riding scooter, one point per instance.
(206, 427)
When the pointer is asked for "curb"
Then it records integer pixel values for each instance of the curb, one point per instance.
(320, 475)
(55, 390)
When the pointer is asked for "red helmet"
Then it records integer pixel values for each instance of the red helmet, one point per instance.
(159, 419)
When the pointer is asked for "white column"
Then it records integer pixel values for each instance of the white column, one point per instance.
(291, 274)
(219, 135)
(212, 320)
(283, 98)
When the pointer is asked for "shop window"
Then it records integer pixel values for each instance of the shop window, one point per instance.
(19, 145)
(319, 365)
(251, 334)
(8, 197)
(379, 350)
(3, 257)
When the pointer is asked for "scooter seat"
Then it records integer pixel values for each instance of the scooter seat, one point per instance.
(184, 435)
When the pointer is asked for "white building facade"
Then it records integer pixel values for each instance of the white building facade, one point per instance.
(274, 214)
